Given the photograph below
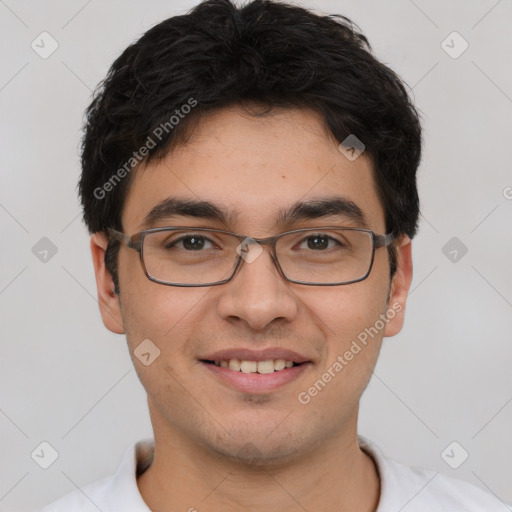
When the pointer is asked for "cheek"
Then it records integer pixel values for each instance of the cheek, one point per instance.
(349, 310)
(353, 344)
(168, 317)
(160, 322)
(151, 311)
(163, 314)
(354, 320)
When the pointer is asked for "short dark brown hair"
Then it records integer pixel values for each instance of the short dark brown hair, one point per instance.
(265, 52)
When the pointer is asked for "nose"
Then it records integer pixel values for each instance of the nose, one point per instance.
(257, 294)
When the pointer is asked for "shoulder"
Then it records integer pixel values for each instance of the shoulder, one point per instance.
(114, 493)
(425, 489)
(417, 490)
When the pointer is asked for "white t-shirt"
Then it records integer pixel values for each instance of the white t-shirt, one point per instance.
(402, 488)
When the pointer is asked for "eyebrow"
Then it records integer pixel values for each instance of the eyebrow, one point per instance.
(335, 206)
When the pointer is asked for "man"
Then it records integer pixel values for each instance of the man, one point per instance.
(249, 183)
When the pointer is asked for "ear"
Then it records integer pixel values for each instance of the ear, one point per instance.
(108, 300)
(399, 289)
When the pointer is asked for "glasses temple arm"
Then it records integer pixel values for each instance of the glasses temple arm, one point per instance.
(121, 237)
(383, 240)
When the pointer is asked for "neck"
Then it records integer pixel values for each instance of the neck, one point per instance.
(185, 475)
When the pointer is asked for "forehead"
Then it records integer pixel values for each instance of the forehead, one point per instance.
(255, 168)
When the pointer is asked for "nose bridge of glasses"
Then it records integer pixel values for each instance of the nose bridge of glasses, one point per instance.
(251, 248)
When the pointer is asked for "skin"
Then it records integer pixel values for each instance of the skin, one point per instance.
(219, 449)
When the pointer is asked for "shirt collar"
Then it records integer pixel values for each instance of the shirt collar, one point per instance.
(124, 493)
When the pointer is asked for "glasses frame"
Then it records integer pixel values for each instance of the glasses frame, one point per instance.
(136, 242)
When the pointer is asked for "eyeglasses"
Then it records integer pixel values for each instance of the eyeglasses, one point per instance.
(320, 256)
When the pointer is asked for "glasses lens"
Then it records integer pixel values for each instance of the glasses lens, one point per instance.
(325, 256)
(189, 257)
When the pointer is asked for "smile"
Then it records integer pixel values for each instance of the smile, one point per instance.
(247, 366)
(255, 376)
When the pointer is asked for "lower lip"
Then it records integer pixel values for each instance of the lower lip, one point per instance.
(256, 382)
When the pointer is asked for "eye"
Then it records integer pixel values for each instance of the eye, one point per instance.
(191, 243)
(320, 242)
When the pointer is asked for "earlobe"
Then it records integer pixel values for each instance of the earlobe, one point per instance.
(108, 300)
(399, 289)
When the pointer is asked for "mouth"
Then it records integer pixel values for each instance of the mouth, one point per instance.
(257, 374)
(248, 366)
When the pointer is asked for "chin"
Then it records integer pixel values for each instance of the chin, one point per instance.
(256, 453)
(271, 446)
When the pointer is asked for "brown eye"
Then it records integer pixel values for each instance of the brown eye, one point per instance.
(190, 243)
(319, 242)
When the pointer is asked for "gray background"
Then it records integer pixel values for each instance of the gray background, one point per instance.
(65, 380)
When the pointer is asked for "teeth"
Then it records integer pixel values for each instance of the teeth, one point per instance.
(234, 364)
(249, 366)
(266, 366)
(263, 367)
(280, 364)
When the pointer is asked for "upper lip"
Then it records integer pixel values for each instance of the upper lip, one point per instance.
(255, 355)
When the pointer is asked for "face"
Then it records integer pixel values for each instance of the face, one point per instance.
(255, 167)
